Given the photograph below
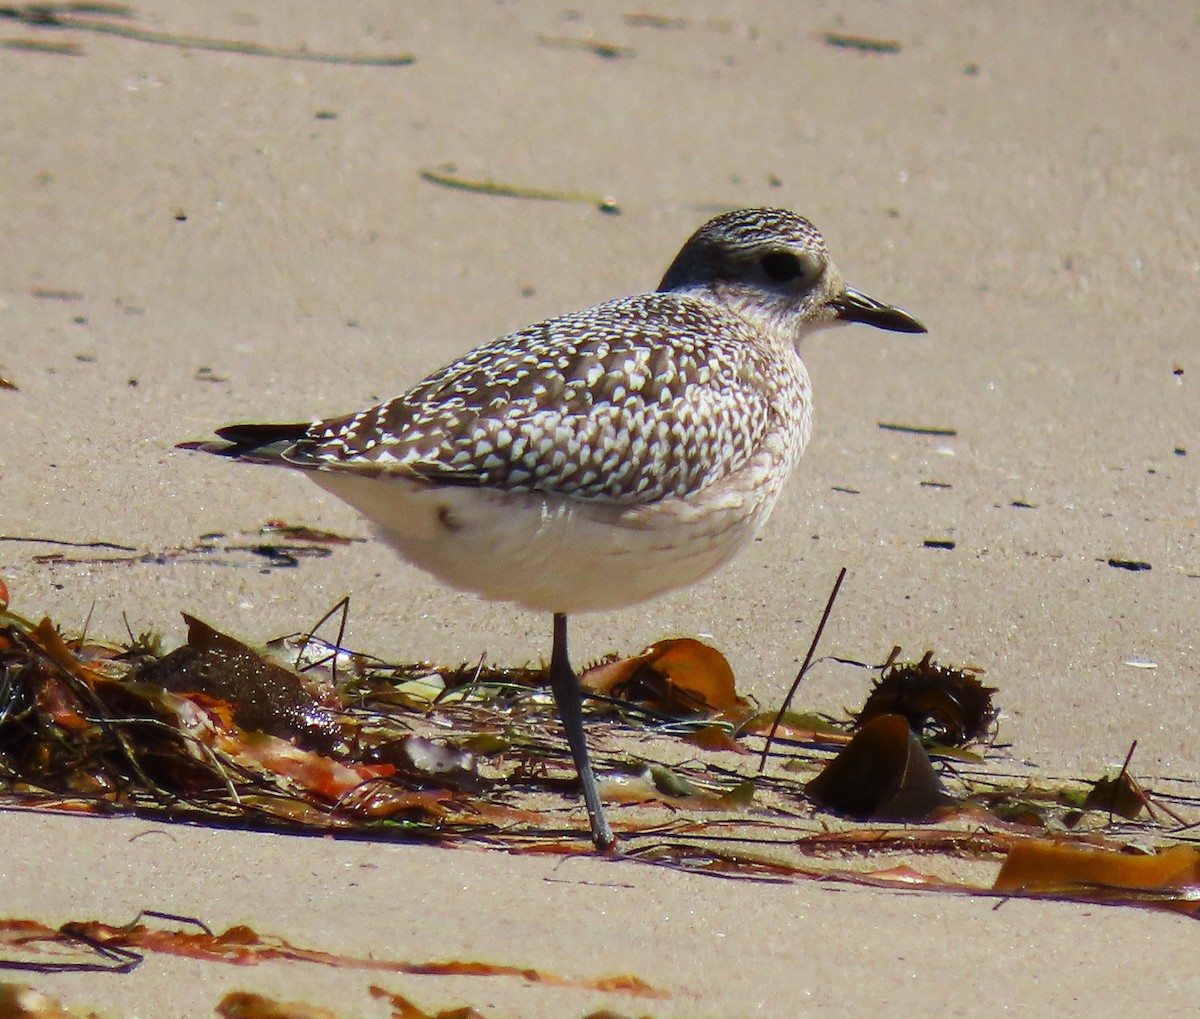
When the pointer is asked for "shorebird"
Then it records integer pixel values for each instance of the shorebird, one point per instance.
(596, 460)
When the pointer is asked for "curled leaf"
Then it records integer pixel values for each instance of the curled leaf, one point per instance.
(882, 774)
(680, 676)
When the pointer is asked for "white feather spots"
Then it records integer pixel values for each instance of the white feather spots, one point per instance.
(632, 401)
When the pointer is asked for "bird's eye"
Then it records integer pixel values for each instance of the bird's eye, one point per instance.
(781, 266)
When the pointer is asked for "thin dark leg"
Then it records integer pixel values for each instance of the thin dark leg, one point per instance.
(567, 696)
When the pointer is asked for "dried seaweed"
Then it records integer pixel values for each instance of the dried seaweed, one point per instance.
(275, 545)
(942, 705)
(861, 43)
(888, 426)
(115, 20)
(607, 50)
(448, 178)
(89, 945)
(306, 735)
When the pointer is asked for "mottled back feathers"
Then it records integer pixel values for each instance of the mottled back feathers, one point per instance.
(631, 401)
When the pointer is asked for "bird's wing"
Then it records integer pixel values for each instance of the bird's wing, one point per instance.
(627, 402)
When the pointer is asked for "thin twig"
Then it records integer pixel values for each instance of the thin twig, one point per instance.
(344, 605)
(604, 203)
(812, 650)
(69, 544)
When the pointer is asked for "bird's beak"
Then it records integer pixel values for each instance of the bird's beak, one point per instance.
(854, 306)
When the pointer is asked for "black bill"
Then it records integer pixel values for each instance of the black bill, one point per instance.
(854, 306)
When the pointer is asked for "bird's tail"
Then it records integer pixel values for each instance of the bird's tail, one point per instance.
(263, 444)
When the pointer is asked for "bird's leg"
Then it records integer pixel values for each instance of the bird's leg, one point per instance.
(567, 696)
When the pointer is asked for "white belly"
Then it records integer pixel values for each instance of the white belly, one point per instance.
(555, 554)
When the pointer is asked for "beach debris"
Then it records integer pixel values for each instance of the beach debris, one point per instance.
(862, 43)
(105, 947)
(299, 542)
(55, 294)
(804, 667)
(1123, 796)
(64, 49)
(248, 1005)
(304, 532)
(942, 705)
(607, 50)
(640, 19)
(307, 736)
(882, 774)
(1133, 565)
(36, 540)
(448, 178)
(116, 20)
(263, 696)
(1166, 879)
(889, 426)
(18, 1001)
(681, 677)
(656, 783)
(1120, 796)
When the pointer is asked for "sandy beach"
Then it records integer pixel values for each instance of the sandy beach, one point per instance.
(195, 232)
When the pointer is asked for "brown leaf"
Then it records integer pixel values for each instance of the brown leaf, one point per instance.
(244, 1005)
(679, 676)
(714, 737)
(1120, 795)
(20, 1002)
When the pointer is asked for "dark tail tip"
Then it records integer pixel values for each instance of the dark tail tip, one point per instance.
(251, 442)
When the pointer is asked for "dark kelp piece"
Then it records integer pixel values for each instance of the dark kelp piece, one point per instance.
(265, 696)
(883, 774)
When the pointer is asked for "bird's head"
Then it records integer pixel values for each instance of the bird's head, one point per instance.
(772, 265)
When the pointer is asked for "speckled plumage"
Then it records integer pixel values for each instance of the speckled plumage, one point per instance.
(604, 457)
(632, 401)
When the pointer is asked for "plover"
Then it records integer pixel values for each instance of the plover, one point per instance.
(596, 460)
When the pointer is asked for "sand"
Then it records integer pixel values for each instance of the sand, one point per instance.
(193, 236)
